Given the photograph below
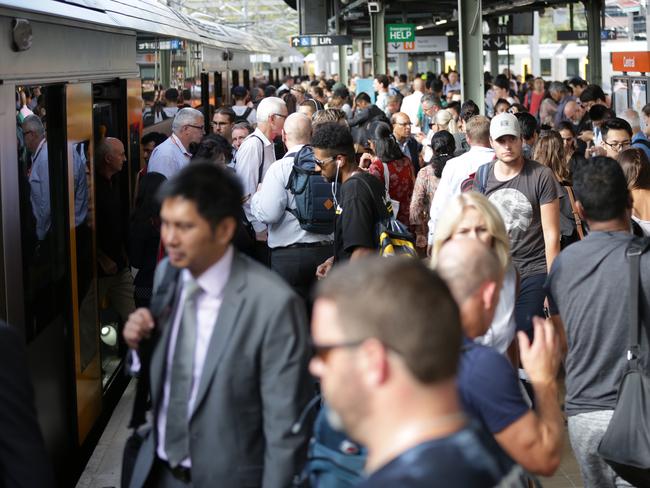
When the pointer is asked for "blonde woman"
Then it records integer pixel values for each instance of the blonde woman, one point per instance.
(471, 215)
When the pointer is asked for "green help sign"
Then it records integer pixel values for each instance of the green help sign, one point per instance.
(400, 32)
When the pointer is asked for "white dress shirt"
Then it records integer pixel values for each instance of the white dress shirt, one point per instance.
(456, 171)
(208, 303)
(169, 157)
(411, 106)
(249, 157)
(269, 206)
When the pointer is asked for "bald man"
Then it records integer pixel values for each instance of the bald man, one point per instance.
(115, 279)
(412, 103)
(488, 383)
(295, 251)
(573, 112)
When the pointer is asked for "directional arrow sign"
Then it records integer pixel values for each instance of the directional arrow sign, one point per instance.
(315, 41)
(495, 42)
(572, 35)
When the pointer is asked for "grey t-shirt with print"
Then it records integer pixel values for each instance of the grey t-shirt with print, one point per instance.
(518, 201)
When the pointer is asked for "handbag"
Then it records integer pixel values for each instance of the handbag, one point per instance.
(393, 236)
(394, 203)
(626, 443)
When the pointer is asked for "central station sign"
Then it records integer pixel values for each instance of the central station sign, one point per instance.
(400, 32)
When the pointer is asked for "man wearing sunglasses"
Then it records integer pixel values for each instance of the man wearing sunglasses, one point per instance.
(174, 154)
(396, 392)
(358, 204)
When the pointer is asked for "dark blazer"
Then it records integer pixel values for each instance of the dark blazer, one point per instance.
(414, 148)
(23, 460)
(254, 385)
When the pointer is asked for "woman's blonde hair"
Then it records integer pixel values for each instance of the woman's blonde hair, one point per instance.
(445, 121)
(453, 214)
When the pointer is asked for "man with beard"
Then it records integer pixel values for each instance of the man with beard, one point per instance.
(362, 199)
(394, 388)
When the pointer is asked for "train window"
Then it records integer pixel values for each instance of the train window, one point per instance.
(115, 282)
(42, 208)
(506, 59)
(545, 67)
(572, 67)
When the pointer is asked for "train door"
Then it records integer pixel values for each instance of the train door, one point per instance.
(52, 286)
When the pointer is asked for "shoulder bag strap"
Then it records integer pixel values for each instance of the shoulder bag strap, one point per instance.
(634, 251)
(261, 167)
(378, 207)
(574, 209)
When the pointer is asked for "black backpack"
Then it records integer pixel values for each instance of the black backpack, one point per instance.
(243, 117)
(313, 195)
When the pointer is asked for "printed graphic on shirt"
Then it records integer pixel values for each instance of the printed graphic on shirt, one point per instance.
(515, 209)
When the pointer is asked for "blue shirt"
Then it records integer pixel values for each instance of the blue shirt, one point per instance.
(169, 157)
(640, 136)
(489, 387)
(467, 458)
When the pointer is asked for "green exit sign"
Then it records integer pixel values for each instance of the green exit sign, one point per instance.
(400, 32)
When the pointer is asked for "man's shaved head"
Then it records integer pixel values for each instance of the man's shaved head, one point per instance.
(465, 264)
(297, 129)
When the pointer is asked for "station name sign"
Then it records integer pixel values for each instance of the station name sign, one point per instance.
(316, 41)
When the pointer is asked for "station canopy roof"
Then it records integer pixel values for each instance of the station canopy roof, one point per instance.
(433, 17)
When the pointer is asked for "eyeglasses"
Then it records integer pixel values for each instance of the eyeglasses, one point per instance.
(322, 162)
(322, 351)
(618, 145)
(281, 115)
(200, 127)
(403, 124)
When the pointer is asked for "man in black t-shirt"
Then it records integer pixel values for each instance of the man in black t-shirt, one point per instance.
(361, 197)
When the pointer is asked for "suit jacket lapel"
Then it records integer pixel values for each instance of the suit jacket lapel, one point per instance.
(233, 301)
(164, 325)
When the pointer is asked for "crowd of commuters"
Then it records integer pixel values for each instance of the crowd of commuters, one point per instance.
(447, 366)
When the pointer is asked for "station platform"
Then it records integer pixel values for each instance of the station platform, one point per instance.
(105, 465)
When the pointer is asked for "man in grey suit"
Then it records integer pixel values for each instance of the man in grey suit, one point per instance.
(229, 349)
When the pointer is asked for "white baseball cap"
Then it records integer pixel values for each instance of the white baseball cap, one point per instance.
(504, 124)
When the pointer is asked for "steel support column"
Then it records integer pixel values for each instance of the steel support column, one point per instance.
(470, 21)
(594, 68)
(340, 29)
(493, 24)
(378, 39)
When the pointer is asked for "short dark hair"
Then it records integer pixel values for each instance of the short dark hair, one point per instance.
(601, 188)
(362, 97)
(599, 112)
(592, 93)
(501, 81)
(215, 190)
(334, 138)
(171, 94)
(374, 297)
(646, 110)
(229, 112)
(383, 80)
(615, 123)
(155, 137)
(577, 81)
(211, 147)
(501, 101)
(527, 124)
(468, 110)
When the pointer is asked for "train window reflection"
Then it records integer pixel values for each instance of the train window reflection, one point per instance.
(42, 233)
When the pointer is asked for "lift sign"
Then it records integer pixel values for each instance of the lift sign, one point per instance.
(400, 32)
